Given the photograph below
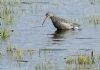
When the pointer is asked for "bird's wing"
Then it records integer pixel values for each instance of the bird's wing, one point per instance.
(69, 22)
(59, 19)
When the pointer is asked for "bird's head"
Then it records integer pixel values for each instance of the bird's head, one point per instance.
(48, 14)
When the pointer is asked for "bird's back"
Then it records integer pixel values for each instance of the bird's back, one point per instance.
(61, 23)
(58, 19)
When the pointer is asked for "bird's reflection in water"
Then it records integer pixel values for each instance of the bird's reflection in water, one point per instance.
(61, 35)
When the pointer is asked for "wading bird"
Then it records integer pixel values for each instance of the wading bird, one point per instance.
(59, 23)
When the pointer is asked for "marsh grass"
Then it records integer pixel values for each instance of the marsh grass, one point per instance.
(15, 53)
(84, 59)
(6, 18)
(31, 51)
(10, 48)
(70, 60)
(7, 15)
(0, 54)
(10, 52)
(73, 62)
(19, 54)
(3, 2)
(94, 19)
(45, 66)
(4, 34)
(81, 62)
(17, 1)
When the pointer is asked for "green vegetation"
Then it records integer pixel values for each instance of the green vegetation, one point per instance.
(45, 66)
(7, 15)
(81, 62)
(4, 34)
(18, 53)
(10, 1)
(69, 60)
(15, 52)
(31, 51)
(84, 60)
(94, 19)
(10, 48)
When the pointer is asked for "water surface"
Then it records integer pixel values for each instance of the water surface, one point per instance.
(51, 46)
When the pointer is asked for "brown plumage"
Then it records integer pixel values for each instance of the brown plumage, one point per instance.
(61, 24)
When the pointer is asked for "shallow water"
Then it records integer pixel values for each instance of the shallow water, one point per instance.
(51, 46)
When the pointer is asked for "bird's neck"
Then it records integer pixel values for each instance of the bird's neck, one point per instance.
(52, 18)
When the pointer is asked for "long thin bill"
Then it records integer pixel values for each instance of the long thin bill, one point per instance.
(44, 20)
